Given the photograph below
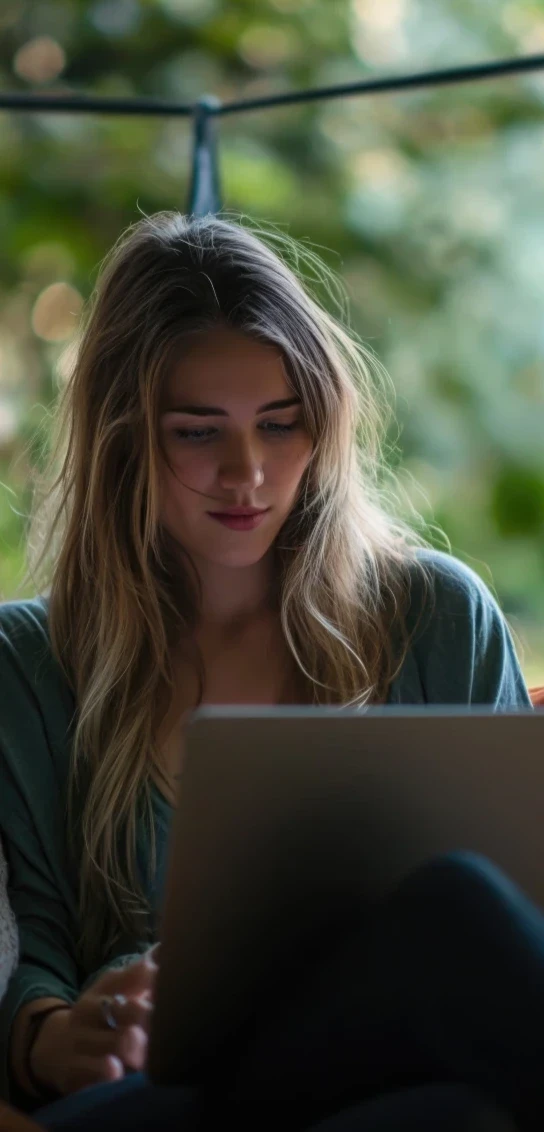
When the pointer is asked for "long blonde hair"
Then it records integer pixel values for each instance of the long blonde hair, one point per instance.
(120, 594)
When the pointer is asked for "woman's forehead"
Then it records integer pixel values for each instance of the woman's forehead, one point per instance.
(254, 372)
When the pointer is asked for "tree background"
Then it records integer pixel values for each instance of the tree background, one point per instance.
(428, 205)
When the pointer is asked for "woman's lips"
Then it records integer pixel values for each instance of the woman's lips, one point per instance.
(239, 522)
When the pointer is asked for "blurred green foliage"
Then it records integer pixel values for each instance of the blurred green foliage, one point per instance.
(428, 204)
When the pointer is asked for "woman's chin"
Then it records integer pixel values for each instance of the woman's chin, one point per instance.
(235, 556)
(240, 559)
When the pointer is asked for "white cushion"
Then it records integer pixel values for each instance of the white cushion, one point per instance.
(9, 939)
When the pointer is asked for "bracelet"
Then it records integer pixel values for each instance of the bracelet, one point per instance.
(33, 1029)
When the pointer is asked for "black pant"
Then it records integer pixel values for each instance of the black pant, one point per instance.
(430, 1018)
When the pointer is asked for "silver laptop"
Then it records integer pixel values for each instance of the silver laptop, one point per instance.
(292, 820)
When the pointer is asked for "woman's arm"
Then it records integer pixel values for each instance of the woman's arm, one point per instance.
(12, 1121)
(73, 1047)
(47, 971)
(35, 728)
(20, 1036)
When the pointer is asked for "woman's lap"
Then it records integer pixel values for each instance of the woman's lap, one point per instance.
(134, 1105)
(449, 988)
(440, 1107)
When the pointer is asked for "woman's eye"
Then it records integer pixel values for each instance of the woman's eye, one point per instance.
(193, 433)
(274, 428)
(278, 429)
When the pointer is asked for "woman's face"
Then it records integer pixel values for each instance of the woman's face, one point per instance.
(235, 437)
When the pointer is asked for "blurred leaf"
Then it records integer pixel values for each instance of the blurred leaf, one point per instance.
(517, 502)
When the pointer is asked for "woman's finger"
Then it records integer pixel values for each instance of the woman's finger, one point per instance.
(132, 1048)
(125, 1011)
(85, 1071)
(131, 980)
(133, 1012)
(129, 1045)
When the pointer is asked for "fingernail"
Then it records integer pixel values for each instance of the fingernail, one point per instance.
(117, 1066)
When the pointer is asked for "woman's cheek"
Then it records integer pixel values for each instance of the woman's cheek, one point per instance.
(193, 469)
(296, 463)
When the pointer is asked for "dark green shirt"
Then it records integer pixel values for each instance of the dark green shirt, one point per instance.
(463, 653)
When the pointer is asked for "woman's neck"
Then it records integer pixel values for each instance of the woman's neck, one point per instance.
(234, 597)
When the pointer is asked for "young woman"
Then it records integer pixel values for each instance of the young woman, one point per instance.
(216, 527)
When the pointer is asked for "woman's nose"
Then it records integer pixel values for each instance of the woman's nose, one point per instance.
(241, 467)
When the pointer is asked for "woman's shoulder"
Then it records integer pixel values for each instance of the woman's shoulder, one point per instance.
(450, 604)
(25, 644)
(23, 622)
(462, 645)
(457, 589)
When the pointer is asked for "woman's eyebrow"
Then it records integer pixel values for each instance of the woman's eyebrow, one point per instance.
(212, 411)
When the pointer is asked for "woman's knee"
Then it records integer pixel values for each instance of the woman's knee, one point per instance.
(423, 1108)
(460, 876)
(463, 894)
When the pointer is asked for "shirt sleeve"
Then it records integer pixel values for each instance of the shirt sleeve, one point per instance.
(47, 963)
(465, 650)
(47, 966)
(40, 882)
(31, 828)
(119, 961)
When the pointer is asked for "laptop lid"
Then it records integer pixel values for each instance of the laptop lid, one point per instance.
(293, 820)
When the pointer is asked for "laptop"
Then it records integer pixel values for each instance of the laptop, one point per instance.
(293, 821)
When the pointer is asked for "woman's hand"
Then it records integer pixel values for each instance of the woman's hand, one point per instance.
(76, 1047)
